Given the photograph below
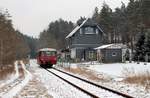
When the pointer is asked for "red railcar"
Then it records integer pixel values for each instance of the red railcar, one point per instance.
(47, 57)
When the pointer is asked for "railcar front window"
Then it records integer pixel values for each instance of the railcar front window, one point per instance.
(50, 53)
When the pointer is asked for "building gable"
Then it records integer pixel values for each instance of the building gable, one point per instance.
(85, 27)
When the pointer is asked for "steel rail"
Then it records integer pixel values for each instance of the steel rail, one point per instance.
(79, 88)
(97, 85)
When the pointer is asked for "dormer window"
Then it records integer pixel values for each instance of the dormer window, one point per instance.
(89, 30)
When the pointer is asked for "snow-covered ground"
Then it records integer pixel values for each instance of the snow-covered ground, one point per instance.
(38, 83)
(10, 87)
(23, 84)
(120, 69)
(56, 87)
(11, 78)
(117, 72)
(93, 89)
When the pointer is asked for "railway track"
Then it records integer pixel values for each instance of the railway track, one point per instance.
(88, 87)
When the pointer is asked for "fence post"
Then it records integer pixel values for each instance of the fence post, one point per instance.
(138, 62)
(146, 59)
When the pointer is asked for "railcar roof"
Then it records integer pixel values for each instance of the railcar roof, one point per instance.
(47, 49)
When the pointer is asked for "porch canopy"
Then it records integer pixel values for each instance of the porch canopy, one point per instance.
(111, 46)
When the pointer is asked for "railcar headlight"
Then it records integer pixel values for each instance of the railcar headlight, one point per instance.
(42, 59)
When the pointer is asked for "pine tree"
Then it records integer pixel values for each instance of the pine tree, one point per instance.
(95, 16)
(140, 47)
(144, 12)
(147, 42)
(105, 22)
(54, 35)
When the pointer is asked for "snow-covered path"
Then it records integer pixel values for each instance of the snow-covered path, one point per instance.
(34, 88)
(11, 88)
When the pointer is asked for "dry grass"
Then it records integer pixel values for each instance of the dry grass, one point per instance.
(6, 71)
(86, 73)
(138, 78)
(25, 61)
(21, 70)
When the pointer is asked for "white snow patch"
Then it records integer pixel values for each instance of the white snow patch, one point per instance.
(117, 69)
(19, 87)
(11, 77)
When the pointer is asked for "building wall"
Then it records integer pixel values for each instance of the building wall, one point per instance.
(111, 55)
(83, 54)
(86, 40)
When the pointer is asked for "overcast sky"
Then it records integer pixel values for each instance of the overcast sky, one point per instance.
(32, 16)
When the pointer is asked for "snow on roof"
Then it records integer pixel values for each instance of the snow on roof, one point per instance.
(103, 46)
(47, 49)
(112, 46)
(76, 29)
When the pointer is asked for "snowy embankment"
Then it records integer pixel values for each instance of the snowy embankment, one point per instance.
(18, 84)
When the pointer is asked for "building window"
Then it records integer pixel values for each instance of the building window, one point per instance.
(114, 54)
(89, 30)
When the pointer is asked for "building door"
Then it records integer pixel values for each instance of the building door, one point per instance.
(92, 55)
